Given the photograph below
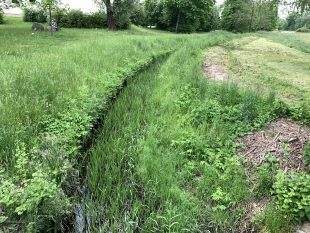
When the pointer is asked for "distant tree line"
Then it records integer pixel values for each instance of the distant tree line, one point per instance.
(204, 15)
(299, 18)
(187, 16)
(250, 15)
(182, 15)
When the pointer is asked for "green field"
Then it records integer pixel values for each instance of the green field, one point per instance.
(126, 125)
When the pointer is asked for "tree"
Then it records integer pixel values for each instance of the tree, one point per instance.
(49, 5)
(138, 14)
(300, 6)
(264, 15)
(296, 20)
(236, 15)
(180, 15)
(118, 12)
(154, 12)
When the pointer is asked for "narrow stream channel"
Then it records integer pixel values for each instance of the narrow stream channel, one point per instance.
(113, 197)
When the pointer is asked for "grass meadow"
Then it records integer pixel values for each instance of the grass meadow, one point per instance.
(126, 126)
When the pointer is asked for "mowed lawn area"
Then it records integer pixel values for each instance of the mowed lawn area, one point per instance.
(124, 132)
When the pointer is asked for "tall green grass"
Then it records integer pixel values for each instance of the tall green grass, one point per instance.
(53, 89)
(165, 157)
(165, 160)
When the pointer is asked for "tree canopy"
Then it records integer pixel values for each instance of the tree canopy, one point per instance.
(250, 15)
(181, 15)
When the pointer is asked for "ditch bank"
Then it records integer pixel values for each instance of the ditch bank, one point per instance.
(83, 218)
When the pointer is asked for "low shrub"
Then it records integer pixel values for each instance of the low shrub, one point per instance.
(78, 19)
(292, 193)
(34, 15)
(266, 176)
(68, 18)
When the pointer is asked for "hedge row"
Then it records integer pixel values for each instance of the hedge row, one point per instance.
(68, 19)
(34, 15)
(78, 19)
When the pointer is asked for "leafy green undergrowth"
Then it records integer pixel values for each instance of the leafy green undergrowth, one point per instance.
(287, 194)
(166, 160)
(53, 89)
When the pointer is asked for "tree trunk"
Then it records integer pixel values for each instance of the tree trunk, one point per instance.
(178, 23)
(50, 15)
(110, 15)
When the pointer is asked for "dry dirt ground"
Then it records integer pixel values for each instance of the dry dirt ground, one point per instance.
(283, 139)
(215, 64)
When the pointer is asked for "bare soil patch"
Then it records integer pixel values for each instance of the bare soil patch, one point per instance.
(216, 72)
(215, 67)
(283, 138)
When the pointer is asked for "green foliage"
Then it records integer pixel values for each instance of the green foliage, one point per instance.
(244, 16)
(48, 5)
(153, 10)
(296, 20)
(138, 15)
(301, 112)
(236, 15)
(274, 220)
(181, 15)
(34, 15)
(301, 5)
(38, 198)
(122, 12)
(187, 16)
(215, 19)
(307, 154)
(78, 19)
(292, 193)
(50, 109)
(291, 21)
(164, 159)
(1, 16)
(266, 174)
(264, 15)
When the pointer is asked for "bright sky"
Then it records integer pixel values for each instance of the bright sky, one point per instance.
(85, 5)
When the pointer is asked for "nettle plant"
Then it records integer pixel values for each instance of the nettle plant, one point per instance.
(292, 193)
(34, 192)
